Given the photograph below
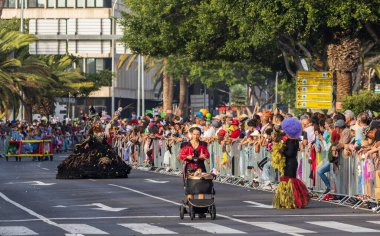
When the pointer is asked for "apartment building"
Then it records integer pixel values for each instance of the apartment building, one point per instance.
(85, 28)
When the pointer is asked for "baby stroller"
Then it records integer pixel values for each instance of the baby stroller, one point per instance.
(201, 187)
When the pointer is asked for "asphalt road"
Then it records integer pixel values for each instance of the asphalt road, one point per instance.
(33, 202)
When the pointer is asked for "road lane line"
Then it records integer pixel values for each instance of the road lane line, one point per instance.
(16, 230)
(317, 215)
(45, 168)
(282, 228)
(213, 228)
(144, 228)
(178, 204)
(91, 218)
(31, 212)
(81, 229)
(146, 194)
(374, 222)
(343, 227)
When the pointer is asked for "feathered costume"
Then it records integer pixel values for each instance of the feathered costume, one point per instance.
(291, 192)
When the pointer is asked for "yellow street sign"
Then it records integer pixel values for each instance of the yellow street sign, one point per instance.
(313, 105)
(314, 89)
(314, 74)
(314, 81)
(314, 96)
(82, 85)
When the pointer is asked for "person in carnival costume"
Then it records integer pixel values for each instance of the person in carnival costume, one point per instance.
(291, 192)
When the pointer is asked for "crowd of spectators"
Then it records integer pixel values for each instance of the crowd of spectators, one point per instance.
(326, 137)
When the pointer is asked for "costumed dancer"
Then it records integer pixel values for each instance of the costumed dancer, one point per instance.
(291, 192)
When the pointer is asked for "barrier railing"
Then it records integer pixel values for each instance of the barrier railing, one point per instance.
(40, 149)
(243, 166)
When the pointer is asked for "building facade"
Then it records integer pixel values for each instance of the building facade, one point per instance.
(85, 28)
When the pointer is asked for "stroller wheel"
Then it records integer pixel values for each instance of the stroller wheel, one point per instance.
(181, 212)
(213, 212)
(191, 212)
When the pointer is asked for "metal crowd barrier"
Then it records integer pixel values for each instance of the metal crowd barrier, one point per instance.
(42, 149)
(241, 165)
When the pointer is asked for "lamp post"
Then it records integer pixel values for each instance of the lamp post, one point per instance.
(22, 108)
(113, 58)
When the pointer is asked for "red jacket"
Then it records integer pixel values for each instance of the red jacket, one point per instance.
(188, 150)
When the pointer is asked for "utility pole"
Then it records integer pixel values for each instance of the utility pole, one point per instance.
(22, 108)
(138, 84)
(113, 59)
(142, 85)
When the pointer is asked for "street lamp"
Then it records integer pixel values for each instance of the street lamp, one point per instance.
(113, 58)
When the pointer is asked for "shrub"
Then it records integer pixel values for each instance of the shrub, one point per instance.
(362, 102)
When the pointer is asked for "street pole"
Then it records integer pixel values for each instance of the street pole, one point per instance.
(113, 59)
(204, 97)
(229, 98)
(276, 88)
(138, 84)
(22, 17)
(22, 108)
(142, 85)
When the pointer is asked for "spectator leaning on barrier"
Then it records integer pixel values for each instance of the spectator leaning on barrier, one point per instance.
(325, 138)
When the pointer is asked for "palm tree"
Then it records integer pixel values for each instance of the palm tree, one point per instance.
(343, 58)
(11, 78)
(160, 68)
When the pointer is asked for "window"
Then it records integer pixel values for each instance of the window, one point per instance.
(51, 3)
(10, 4)
(71, 3)
(41, 3)
(79, 64)
(99, 64)
(81, 3)
(61, 3)
(95, 65)
(107, 3)
(90, 3)
(99, 3)
(91, 67)
(31, 3)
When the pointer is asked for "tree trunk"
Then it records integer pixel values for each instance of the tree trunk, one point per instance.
(182, 93)
(344, 85)
(170, 92)
(28, 112)
(167, 89)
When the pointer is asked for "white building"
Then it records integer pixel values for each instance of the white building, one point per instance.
(83, 28)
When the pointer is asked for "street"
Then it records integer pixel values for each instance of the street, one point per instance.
(33, 202)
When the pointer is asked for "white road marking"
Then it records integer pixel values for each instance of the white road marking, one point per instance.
(60, 206)
(146, 194)
(178, 204)
(259, 205)
(45, 168)
(30, 212)
(374, 222)
(91, 218)
(343, 227)
(39, 183)
(213, 228)
(103, 207)
(143, 228)
(81, 229)
(281, 228)
(92, 180)
(16, 230)
(156, 181)
(316, 215)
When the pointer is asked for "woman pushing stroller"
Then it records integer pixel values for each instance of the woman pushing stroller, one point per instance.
(194, 153)
(197, 183)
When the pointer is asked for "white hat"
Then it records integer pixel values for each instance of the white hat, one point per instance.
(255, 133)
